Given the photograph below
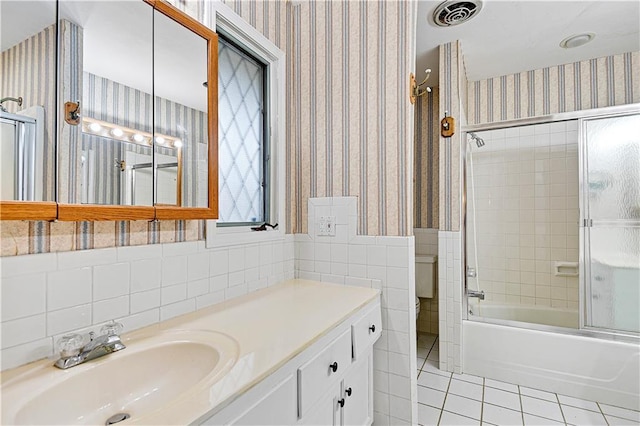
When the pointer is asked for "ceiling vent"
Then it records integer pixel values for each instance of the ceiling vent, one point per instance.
(455, 12)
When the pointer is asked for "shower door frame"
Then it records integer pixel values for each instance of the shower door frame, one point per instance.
(544, 119)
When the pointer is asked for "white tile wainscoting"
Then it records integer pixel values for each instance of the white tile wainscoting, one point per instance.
(385, 263)
(45, 296)
(450, 300)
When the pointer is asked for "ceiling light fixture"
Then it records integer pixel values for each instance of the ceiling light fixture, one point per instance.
(577, 40)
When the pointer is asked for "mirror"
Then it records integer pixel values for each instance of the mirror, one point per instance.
(141, 73)
(27, 100)
(180, 89)
(107, 64)
(90, 133)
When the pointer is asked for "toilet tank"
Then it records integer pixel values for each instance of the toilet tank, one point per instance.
(426, 275)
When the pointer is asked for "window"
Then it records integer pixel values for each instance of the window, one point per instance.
(251, 154)
(243, 160)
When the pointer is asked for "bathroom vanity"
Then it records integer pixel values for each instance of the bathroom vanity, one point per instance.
(300, 352)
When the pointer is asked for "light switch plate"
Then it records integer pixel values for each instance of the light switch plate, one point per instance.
(327, 226)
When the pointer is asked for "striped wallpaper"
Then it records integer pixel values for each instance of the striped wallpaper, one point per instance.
(595, 83)
(453, 84)
(351, 123)
(70, 87)
(426, 175)
(28, 69)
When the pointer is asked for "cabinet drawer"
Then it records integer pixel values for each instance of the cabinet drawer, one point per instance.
(315, 377)
(366, 331)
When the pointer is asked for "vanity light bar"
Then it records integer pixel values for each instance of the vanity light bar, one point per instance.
(125, 134)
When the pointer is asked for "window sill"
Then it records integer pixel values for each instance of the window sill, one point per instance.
(239, 235)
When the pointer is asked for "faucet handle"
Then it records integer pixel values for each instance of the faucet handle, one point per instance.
(112, 328)
(70, 345)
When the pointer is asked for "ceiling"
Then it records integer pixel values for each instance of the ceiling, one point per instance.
(512, 36)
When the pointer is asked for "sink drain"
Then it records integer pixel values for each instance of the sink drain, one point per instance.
(117, 418)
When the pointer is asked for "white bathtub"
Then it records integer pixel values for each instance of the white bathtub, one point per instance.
(559, 317)
(591, 368)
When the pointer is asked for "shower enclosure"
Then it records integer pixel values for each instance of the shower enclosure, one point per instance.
(21, 154)
(552, 257)
(553, 223)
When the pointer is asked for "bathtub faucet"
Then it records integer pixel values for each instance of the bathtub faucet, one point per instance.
(73, 351)
(473, 293)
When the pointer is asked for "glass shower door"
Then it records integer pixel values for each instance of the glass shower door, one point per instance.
(611, 224)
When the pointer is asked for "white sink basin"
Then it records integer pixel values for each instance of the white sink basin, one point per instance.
(149, 375)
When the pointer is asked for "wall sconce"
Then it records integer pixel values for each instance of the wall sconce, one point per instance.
(415, 88)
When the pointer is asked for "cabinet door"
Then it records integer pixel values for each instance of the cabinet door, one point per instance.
(326, 411)
(357, 394)
(276, 408)
(324, 370)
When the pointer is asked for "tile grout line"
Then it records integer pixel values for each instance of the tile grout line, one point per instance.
(446, 394)
(602, 412)
(482, 404)
(521, 406)
(561, 411)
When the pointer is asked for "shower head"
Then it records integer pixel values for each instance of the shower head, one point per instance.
(477, 139)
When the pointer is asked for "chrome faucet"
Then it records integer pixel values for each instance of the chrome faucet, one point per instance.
(474, 293)
(73, 351)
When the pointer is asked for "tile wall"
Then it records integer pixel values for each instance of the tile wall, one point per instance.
(385, 263)
(450, 300)
(427, 243)
(45, 296)
(526, 214)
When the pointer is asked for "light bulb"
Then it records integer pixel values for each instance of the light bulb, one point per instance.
(117, 132)
(138, 137)
(177, 143)
(159, 140)
(95, 127)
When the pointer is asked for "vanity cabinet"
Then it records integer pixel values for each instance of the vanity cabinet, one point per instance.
(329, 383)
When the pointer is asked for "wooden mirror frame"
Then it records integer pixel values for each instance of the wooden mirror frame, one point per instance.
(95, 212)
(165, 212)
(51, 210)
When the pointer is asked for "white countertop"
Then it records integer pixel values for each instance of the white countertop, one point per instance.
(271, 326)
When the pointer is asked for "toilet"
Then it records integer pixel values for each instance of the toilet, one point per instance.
(426, 278)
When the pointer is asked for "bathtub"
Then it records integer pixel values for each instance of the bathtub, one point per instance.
(591, 368)
(559, 317)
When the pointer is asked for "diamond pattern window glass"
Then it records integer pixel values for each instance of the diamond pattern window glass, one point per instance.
(241, 153)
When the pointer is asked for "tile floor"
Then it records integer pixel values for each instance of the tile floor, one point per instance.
(461, 399)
